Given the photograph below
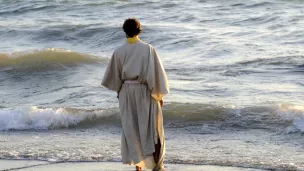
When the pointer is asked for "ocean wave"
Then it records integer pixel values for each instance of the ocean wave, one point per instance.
(297, 60)
(45, 59)
(260, 20)
(259, 4)
(93, 35)
(264, 65)
(48, 118)
(288, 117)
(124, 5)
(76, 33)
(54, 118)
(13, 9)
(259, 65)
(294, 114)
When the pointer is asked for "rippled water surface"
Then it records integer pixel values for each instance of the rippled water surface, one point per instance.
(235, 69)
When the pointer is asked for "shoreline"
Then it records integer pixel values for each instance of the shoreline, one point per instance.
(36, 165)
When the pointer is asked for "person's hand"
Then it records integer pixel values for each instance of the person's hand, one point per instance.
(161, 102)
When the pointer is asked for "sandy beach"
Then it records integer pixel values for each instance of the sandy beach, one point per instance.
(26, 165)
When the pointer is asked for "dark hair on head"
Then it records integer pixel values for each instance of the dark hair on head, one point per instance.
(132, 27)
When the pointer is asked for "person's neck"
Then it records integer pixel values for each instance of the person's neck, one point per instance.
(132, 40)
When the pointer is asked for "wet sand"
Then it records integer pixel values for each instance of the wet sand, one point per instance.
(29, 165)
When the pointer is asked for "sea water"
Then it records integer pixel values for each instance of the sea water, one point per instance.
(235, 70)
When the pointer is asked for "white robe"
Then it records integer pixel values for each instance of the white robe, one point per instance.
(140, 110)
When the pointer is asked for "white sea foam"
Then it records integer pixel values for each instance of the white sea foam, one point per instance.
(38, 118)
(52, 118)
(293, 113)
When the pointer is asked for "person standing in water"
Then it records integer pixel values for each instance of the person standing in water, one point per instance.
(136, 73)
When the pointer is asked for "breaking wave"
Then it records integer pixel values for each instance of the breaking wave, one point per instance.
(290, 117)
(48, 118)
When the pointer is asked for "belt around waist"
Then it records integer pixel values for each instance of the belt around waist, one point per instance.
(132, 82)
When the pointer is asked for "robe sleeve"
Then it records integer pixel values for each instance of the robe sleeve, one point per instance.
(156, 76)
(112, 77)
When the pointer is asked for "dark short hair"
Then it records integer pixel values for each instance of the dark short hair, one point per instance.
(132, 27)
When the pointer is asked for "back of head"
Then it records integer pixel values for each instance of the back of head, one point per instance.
(132, 27)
